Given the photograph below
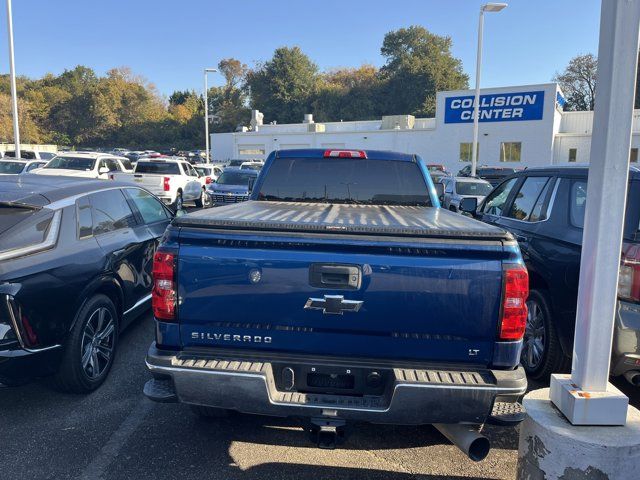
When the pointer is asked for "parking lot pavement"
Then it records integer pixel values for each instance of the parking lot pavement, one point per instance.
(115, 433)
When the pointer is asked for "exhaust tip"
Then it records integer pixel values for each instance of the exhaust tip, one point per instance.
(633, 377)
(479, 449)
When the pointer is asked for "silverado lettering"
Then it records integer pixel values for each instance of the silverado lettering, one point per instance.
(227, 337)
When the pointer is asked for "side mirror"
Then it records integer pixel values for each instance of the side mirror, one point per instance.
(439, 190)
(103, 170)
(469, 205)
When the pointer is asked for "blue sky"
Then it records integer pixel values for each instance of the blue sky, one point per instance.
(169, 42)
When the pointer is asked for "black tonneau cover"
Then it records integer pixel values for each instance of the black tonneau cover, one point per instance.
(342, 219)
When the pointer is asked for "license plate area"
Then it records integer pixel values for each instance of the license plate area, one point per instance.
(334, 380)
(331, 381)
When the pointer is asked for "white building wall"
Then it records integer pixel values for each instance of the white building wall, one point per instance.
(545, 141)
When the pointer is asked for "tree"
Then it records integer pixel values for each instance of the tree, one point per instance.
(348, 94)
(578, 82)
(283, 87)
(228, 103)
(418, 64)
(29, 131)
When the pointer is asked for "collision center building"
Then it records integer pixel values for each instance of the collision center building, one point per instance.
(521, 126)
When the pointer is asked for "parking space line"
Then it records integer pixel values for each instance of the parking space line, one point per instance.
(111, 449)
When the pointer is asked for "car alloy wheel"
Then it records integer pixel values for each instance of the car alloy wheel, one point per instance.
(98, 340)
(205, 199)
(534, 341)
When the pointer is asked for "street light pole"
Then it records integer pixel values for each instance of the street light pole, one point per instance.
(14, 91)
(206, 112)
(489, 7)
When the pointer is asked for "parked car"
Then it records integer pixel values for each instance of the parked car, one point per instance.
(437, 167)
(75, 269)
(341, 292)
(457, 188)
(19, 166)
(173, 181)
(30, 155)
(544, 209)
(135, 156)
(85, 165)
(208, 173)
(493, 175)
(257, 166)
(235, 163)
(232, 186)
(437, 176)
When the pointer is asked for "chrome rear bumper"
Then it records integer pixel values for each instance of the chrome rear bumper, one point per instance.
(416, 396)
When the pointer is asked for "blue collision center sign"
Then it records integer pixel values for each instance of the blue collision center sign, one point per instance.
(497, 107)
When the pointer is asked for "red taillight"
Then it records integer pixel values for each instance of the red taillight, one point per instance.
(165, 184)
(514, 306)
(164, 289)
(208, 180)
(31, 339)
(629, 278)
(345, 153)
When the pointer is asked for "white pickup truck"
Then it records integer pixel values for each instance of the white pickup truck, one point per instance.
(86, 165)
(174, 181)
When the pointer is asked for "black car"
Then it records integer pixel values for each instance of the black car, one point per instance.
(76, 261)
(493, 175)
(544, 209)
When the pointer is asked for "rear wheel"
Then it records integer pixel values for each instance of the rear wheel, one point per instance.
(90, 348)
(542, 353)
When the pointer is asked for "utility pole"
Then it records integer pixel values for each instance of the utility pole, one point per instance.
(206, 112)
(14, 91)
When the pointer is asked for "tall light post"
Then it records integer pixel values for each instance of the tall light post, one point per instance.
(12, 75)
(206, 111)
(489, 7)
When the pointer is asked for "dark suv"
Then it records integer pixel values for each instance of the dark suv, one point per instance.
(544, 209)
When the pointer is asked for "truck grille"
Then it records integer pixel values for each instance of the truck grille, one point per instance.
(229, 198)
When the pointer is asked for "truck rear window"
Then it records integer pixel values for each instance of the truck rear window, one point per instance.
(159, 168)
(345, 180)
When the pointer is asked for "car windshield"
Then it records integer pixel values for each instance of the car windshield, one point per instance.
(11, 167)
(235, 163)
(159, 168)
(203, 171)
(479, 189)
(251, 167)
(235, 178)
(71, 163)
(345, 180)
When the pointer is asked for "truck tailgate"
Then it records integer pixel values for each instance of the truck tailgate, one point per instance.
(421, 296)
(153, 183)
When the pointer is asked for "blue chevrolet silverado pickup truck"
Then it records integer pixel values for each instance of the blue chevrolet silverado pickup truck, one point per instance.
(341, 292)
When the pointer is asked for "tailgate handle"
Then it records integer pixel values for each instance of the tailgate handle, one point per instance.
(335, 276)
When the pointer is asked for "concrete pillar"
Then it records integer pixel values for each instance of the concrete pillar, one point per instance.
(551, 448)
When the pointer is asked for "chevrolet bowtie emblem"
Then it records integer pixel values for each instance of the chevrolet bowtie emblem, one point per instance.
(333, 305)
